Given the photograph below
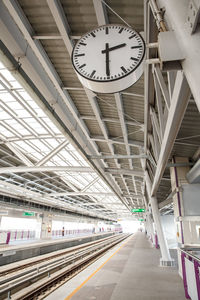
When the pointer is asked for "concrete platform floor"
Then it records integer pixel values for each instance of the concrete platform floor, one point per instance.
(130, 271)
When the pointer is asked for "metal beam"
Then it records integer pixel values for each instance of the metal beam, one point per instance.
(90, 184)
(15, 191)
(159, 105)
(61, 22)
(103, 203)
(125, 172)
(101, 14)
(52, 153)
(118, 156)
(81, 194)
(19, 154)
(20, 169)
(117, 140)
(176, 13)
(193, 175)
(177, 109)
(162, 85)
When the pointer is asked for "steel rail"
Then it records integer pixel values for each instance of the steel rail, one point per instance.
(47, 257)
(67, 264)
(63, 257)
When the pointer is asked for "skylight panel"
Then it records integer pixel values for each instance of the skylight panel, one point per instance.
(4, 115)
(17, 127)
(53, 143)
(25, 118)
(41, 146)
(35, 125)
(25, 146)
(16, 85)
(22, 113)
(51, 125)
(66, 155)
(74, 181)
(26, 97)
(14, 105)
(7, 133)
(31, 103)
(7, 75)
(79, 158)
(39, 112)
(7, 97)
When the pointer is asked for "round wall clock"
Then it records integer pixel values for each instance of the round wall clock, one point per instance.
(109, 58)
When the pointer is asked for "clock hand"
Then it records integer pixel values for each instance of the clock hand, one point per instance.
(107, 60)
(113, 48)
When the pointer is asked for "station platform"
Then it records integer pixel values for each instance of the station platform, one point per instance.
(14, 253)
(129, 271)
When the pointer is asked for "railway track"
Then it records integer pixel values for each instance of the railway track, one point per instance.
(17, 266)
(39, 278)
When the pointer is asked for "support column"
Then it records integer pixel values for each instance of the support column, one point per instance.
(165, 259)
(178, 179)
(46, 229)
(150, 231)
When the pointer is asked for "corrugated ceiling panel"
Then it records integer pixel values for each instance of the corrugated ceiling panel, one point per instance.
(134, 110)
(107, 105)
(81, 101)
(39, 15)
(114, 130)
(130, 11)
(80, 14)
(94, 128)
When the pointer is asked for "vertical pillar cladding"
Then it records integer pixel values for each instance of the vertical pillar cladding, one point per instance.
(46, 229)
(166, 259)
(178, 178)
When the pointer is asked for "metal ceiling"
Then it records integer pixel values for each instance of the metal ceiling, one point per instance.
(58, 124)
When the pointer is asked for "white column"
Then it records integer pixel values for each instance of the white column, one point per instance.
(166, 259)
(46, 226)
(150, 231)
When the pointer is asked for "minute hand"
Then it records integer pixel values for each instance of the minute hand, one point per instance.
(113, 48)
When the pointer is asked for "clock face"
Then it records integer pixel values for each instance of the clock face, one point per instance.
(108, 53)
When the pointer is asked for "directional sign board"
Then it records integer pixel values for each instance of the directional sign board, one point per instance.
(135, 210)
(28, 213)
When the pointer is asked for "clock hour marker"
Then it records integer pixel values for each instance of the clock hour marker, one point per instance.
(135, 59)
(132, 36)
(83, 44)
(136, 47)
(121, 30)
(82, 54)
(82, 66)
(123, 69)
(92, 74)
(106, 30)
(92, 33)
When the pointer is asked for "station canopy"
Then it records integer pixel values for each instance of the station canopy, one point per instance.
(64, 146)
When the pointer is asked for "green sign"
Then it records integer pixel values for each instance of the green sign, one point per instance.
(28, 213)
(141, 220)
(138, 210)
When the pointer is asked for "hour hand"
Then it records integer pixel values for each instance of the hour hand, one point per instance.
(113, 48)
(107, 60)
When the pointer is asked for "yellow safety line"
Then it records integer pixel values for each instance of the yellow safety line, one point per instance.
(80, 286)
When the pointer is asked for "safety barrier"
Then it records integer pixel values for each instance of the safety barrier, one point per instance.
(190, 272)
(4, 237)
(16, 235)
